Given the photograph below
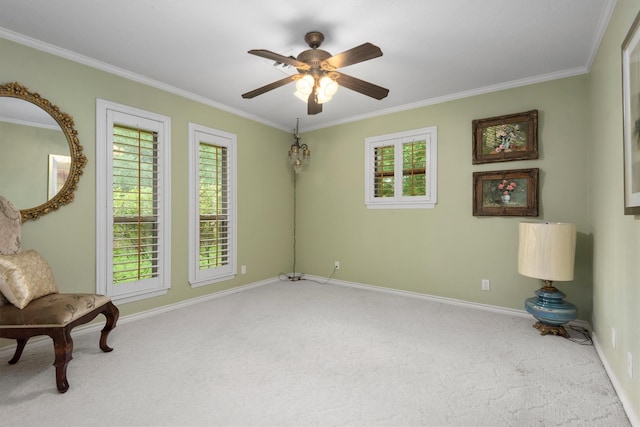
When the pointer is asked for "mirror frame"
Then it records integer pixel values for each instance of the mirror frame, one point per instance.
(78, 159)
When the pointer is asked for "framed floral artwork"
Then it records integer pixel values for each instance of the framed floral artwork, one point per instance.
(505, 138)
(506, 193)
(631, 118)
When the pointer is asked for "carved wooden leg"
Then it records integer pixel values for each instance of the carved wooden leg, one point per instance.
(21, 342)
(63, 347)
(112, 313)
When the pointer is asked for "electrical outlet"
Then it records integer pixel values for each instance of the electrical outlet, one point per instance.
(613, 337)
(243, 269)
(630, 365)
(336, 265)
(485, 285)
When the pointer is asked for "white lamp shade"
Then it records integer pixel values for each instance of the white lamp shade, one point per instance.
(547, 250)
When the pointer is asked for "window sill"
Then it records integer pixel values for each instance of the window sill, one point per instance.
(123, 299)
(208, 281)
(396, 205)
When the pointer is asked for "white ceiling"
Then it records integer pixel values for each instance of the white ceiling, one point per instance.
(433, 50)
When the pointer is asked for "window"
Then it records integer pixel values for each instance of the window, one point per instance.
(401, 170)
(133, 202)
(212, 205)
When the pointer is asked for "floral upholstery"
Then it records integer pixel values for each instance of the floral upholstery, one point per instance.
(3, 300)
(10, 232)
(10, 227)
(25, 276)
(51, 310)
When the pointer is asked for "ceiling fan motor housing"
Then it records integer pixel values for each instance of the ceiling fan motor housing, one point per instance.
(314, 39)
(313, 57)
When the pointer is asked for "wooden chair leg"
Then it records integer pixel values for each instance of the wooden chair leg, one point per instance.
(63, 347)
(21, 342)
(61, 335)
(111, 313)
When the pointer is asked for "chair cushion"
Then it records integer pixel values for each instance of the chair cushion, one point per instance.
(10, 227)
(51, 310)
(24, 277)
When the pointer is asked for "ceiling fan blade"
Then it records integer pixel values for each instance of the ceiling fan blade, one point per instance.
(270, 86)
(365, 88)
(360, 53)
(279, 58)
(313, 106)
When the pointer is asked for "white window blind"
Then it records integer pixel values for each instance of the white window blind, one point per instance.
(212, 205)
(133, 202)
(414, 161)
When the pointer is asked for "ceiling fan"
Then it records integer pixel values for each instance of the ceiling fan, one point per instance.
(317, 79)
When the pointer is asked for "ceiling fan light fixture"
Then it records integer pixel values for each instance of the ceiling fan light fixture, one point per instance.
(304, 86)
(327, 88)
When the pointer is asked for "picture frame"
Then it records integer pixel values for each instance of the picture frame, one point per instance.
(505, 138)
(59, 168)
(631, 118)
(506, 193)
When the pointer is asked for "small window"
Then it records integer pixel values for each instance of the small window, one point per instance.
(133, 202)
(212, 205)
(401, 170)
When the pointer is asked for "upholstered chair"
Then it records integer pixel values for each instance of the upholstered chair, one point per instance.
(31, 305)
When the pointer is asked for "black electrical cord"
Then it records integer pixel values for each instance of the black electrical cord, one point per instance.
(299, 276)
(582, 331)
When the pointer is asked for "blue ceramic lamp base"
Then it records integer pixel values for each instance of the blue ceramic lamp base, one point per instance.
(549, 307)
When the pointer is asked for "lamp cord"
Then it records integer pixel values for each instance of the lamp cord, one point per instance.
(584, 332)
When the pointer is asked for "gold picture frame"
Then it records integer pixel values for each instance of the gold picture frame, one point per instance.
(505, 138)
(506, 193)
(631, 118)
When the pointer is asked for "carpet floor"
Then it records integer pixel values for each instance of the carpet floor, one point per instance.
(309, 354)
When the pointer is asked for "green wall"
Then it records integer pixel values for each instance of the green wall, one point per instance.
(66, 238)
(616, 237)
(447, 251)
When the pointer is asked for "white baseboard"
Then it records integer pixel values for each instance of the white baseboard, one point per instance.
(192, 301)
(444, 300)
(7, 352)
(626, 403)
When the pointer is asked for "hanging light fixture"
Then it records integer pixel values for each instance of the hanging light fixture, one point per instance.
(298, 154)
(325, 89)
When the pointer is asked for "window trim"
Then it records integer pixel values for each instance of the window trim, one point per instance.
(428, 134)
(106, 112)
(198, 277)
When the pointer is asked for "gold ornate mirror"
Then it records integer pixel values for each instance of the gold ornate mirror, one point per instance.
(39, 172)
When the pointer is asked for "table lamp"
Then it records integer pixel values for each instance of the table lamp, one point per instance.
(547, 252)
